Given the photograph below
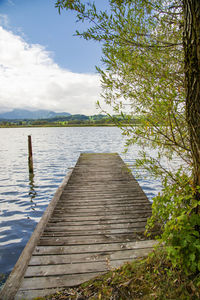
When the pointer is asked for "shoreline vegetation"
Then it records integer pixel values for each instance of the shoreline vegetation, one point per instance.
(57, 125)
(67, 121)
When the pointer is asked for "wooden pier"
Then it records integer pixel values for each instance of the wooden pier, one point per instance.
(95, 222)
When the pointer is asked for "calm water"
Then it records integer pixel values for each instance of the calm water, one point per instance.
(23, 199)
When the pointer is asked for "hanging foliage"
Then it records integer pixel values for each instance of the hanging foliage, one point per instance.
(144, 77)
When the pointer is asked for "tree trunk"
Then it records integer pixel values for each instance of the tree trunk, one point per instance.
(191, 42)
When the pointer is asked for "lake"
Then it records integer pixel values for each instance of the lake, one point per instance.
(23, 198)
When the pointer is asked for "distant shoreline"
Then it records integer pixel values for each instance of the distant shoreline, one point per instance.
(58, 125)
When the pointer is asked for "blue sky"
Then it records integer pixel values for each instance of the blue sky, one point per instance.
(48, 66)
(40, 23)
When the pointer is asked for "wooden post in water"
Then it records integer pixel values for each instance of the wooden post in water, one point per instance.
(30, 155)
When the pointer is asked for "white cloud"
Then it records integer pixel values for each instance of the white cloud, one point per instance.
(30, 79)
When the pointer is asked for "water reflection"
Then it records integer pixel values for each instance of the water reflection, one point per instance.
(32, 192)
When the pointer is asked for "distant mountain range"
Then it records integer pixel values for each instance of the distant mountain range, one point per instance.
(22, 114)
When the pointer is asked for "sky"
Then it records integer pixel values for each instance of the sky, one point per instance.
(42, 64)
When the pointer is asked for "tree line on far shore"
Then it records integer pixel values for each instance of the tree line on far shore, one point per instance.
(78, 119)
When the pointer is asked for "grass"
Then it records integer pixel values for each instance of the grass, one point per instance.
(151, 278)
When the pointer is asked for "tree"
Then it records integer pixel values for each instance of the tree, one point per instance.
(138, 39)
(145, 59)
(191, 41)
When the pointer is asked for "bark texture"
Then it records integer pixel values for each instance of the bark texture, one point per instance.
(191, 41)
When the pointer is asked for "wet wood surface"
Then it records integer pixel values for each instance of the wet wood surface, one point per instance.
(97, 224)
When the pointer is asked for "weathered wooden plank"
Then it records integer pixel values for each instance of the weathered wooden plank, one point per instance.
(75, 203)
(81, 196)
(103, 199)
(115, 192)
(98, 177)
(25, 294)
(92, 239)
(93, 248)
(129, 255)
(39, 260)
(112, 186)
(124, 184)
(64, 269)
(102, 218)
(93, 188)
(92, 203)
(102, 231)
(70, 228)
(108, 195)
(114, 212)
(132, 207)
(114, 223)
(57, 282)
(103, 209)
(102, 214)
